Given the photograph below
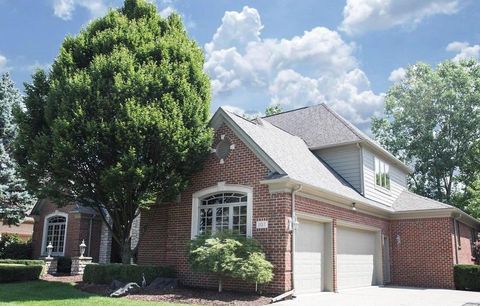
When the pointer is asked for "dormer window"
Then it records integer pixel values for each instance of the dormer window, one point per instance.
(382, 174)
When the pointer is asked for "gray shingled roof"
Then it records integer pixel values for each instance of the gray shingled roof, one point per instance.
(408, 201)
(317, 125)
(321, 127)
(293, 156)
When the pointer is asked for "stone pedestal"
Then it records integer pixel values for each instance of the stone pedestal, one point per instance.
(78, 265)
(50, 265)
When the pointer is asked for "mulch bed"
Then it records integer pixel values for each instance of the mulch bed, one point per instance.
(179, 295)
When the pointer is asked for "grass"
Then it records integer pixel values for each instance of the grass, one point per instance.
(56, 293)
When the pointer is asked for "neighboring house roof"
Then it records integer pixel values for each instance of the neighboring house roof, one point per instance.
(408, 201)
(322, 127)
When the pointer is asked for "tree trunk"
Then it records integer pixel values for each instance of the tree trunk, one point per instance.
(126, 252)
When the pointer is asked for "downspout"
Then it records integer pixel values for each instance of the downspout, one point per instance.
(455, 236)
(293, 224)
(90, 235)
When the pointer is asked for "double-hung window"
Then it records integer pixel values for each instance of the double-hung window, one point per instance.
(223, 211)
(382, 174)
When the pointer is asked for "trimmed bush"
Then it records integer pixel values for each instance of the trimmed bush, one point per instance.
(64, 264)
(27, 262)
(19, 272)
(229, 255)
(12, 246)
(467, 277)
(106, 273)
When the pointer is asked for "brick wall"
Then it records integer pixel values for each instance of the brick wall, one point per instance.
(464, 248)
(422, 256)
(169, 225)
(77, 229)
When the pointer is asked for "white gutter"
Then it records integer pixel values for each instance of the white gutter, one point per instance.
(293, 225)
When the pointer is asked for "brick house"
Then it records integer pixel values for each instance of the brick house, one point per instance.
(329, 206)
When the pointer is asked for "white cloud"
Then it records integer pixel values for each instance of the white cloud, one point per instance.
(167, 11)
(464, 50)
(397, 75)
(364, 15)
(64, 8)
(317, 66)
(3, 63)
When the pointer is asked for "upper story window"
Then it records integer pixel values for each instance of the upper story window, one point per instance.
(382, 174)
(222, 208)
(54, 233)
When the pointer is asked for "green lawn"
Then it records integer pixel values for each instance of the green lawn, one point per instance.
(44, 293)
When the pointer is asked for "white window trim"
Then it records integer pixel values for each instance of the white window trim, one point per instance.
(221, 187)
(378, 187)
(44, 238)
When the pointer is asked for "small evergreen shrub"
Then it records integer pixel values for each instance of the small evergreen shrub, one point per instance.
(19, 272)
(106, 273)
(12, 246)
(64, 264)
(467, 277)
(229, 255)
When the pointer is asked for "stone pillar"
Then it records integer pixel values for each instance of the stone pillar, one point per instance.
(78, 265)
(50, 265)
(105, 243)
(135, 232)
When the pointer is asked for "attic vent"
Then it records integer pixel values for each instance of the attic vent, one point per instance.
(223, 148)
(259, 121)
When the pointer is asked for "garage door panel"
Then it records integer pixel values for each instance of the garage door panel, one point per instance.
(355, 258)
(309, 249)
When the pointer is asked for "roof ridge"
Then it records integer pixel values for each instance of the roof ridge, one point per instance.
(343, 120)
(292, 110)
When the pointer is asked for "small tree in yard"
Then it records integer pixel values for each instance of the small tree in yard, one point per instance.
(121, 121)
(229, 255)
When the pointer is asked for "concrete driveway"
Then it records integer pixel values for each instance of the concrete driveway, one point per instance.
(389, 296)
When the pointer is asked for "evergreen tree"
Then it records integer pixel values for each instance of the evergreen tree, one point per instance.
(14, 198)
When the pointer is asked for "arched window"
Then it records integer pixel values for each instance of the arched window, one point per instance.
(222, 207)
(54, 232)
(224, 211)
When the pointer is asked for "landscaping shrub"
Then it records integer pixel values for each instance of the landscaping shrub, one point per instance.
(64, 264)
(12, 246)
(27, 262)
(19, 272)
(106, 273)
(467, 277)
(229, 255)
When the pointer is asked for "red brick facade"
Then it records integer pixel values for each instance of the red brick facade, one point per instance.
(78, 227)
(464, 248)
(422, 251)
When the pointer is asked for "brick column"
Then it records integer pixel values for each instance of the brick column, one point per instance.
(50, 265)
(78, 265)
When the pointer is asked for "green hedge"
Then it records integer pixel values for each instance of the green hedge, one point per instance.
(19, 272)
(27, 262)
(106, 273)
(467, 277)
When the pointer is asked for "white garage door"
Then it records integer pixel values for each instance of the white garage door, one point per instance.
(355, 258)
(309, 245)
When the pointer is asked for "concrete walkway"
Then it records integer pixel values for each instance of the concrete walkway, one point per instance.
(389, 296)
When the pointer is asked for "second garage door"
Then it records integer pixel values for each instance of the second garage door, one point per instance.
(356, 258)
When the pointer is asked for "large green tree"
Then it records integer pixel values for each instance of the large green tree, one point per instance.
(123, 118)
(15, 200)
(432, 122)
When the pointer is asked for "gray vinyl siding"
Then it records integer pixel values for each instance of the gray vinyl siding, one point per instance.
(398, 180)
(345, 160)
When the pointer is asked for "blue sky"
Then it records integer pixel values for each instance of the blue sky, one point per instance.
(294, 53)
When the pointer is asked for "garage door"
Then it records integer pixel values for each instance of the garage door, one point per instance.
(355, 258)
(309, 250)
